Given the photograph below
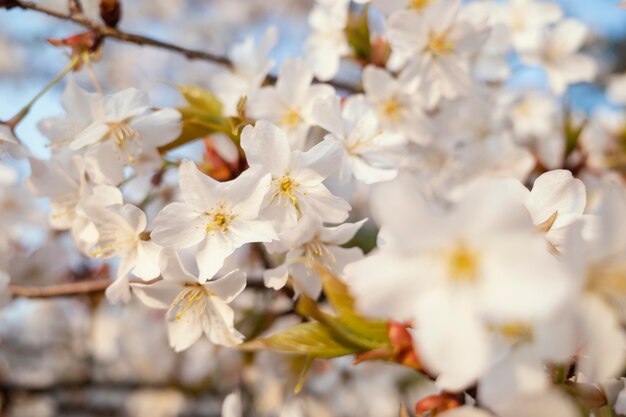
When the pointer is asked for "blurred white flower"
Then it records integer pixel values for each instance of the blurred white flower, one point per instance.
(311, 245)
(121, 234)
(250, 67)
(438, 45)
(558, 55)
(123, 128)
(327, 42)
(462, 273)
(289, 104)
(367, 149)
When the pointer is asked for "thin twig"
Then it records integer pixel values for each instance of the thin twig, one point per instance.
(60, 290)
(85, 287)
(108, 32)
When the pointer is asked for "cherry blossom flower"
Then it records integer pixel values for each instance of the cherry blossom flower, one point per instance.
(124, 127)
(194, 309)
(558, 55)
(250, 67)
(327, 42)
(219, 217)
(289, 104)
(297, 178)
(437, 45)
(121, 233)
(367, 150)
(462, 272)
(311, 245)
(397, 107)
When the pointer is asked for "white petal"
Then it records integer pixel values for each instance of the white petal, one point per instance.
(104, 165)
(378, 83)
(183, 332)
(276, 278)
(172, 268)
(125, 104)
(93, 133)
(556, 192)
(220, 327)
(327, 114)
(229, 286)
(266, 145)
(157, 295)
(198, 190)
(231, 407)
(212, 253)
(147, 264)
(548, 404)
(324, 158)
(246, 193)
(158, 128)
(604, 340)
(341, 234)
(451, 340)
(178, 226)
(118, 291)
(294, 79)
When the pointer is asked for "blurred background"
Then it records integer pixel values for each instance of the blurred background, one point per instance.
(84, 357)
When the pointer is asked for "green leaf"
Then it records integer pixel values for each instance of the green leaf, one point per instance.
(354, 332)
(358, 34)
(201, 99)
(310, 339)
(201, 117)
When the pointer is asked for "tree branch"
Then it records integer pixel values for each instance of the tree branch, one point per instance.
(85, 287)
(60, 290)
(108, 32)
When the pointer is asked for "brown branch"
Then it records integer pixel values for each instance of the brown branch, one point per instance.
(109, 32)
(84, 287)
(60, 290)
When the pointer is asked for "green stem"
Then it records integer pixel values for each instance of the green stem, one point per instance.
(15, 120)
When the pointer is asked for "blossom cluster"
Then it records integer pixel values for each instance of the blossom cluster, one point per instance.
(501, 243)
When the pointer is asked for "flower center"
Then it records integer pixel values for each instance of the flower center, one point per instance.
(463, 265)
(189, 303)
(420, 5)
(439, 44)
(391, 109)
(111, 241)
(285, 189)
(124, 136)
(513, 332)
(316, 252)
(290, 119)
(220, 218)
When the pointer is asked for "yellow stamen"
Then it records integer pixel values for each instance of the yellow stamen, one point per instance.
(463, 265)
(420, 5)
(123, 135)
(190, 303)
(285, 189)
(514, 332)
(219, 218)
(391, 109)
(290, 119)
(439, 44)
(316, 253)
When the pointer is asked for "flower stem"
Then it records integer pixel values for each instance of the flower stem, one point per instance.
(15, 120)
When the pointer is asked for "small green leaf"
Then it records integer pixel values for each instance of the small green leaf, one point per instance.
(201, 99)
(358, 34)
(311, 339)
